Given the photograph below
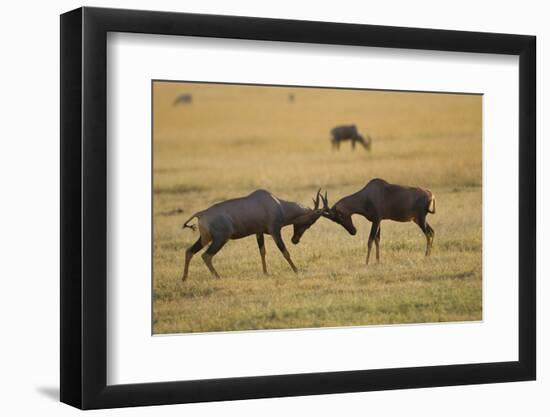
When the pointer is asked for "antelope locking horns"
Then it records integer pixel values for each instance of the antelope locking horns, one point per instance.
(316, 200)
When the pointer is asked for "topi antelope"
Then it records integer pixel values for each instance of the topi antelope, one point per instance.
(380, 200)
(183, 99)
(256, 214)
(349, 132)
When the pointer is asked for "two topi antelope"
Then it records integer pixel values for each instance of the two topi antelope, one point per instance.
(262, 213)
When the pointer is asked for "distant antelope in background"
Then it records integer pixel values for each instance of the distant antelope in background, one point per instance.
(349, 132)
(380, 200)
(256, 214)
(183, 99)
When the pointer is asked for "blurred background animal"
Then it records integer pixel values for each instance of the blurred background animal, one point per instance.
(183, 99)
(349, 132)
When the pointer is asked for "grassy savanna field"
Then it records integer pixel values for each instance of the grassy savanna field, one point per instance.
(232, 140)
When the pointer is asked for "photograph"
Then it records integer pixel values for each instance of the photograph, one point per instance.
(308, 207)
(297, 207)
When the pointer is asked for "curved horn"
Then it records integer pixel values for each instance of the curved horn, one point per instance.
(325, 201)
(316, 200)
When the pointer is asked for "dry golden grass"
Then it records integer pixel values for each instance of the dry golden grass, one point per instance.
(233, 140)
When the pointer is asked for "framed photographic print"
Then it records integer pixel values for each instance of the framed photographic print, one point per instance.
(257, 207)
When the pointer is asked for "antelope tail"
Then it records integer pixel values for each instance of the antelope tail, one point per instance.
(193, 226)
(431, 205)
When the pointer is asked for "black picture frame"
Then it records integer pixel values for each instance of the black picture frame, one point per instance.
(84, 207)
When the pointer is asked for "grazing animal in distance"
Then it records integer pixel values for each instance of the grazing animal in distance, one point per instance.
(380, 200)
(183, 99)
(349, 132)
(257, 214)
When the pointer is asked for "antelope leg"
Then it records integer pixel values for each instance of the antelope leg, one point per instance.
(372, 237)
(197, 246)
(421, 222)
(261, 246)
(207, 256)
(377, 243)
(431, 234)
(281, 245)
